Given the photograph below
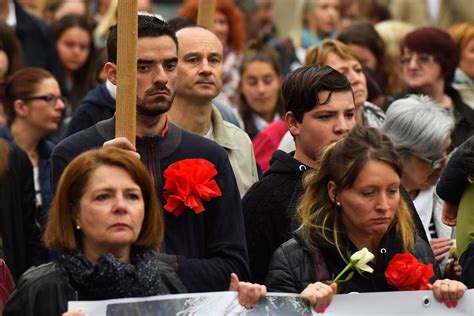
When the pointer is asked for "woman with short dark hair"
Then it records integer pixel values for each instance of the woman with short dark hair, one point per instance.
(428, 59)
(107, 223)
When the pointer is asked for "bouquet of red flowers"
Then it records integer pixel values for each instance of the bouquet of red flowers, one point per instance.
(188, 183)
(406, 273)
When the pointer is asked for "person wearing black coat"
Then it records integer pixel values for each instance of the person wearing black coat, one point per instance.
(269, 219)
(352, 202)
(20, 231)
(455, 185)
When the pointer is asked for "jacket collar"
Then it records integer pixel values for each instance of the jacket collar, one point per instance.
(222, 135)
(168, 142)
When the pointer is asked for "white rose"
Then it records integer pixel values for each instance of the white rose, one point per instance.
(360, 259)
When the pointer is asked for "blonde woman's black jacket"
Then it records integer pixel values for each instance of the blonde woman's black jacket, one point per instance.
(293, 266)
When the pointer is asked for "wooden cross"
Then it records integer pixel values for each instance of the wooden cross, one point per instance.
(125, 115)
(206, 13)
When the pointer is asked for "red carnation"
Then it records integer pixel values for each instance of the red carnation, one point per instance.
(406, 273)
(187, 183)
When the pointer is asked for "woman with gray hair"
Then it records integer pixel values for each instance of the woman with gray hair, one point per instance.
(421, 134)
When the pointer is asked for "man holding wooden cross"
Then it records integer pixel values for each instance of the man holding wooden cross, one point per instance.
(204, 238)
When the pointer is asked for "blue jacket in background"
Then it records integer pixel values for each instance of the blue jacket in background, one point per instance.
(98, 105)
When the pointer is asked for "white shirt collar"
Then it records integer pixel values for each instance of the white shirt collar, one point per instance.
(111, 88)
(210, 133)
(261, 123)
(11, 18)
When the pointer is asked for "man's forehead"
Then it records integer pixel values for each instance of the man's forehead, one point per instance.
(194, 35)
(162, 47)
(164, 40)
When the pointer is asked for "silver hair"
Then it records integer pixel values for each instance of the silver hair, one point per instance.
(417, 125)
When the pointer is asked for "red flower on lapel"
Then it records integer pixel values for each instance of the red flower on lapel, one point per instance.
(188, 182)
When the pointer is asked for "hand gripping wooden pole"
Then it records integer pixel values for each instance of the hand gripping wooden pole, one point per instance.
(125, 115)
(206, 13)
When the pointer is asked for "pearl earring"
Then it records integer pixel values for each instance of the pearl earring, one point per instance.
(338, 204)
(78, 227)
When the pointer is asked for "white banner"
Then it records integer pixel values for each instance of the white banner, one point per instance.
(417, 303)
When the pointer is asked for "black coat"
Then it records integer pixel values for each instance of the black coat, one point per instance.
(293, 268)
(467, 263)
(268, 219)
(45, 290)
(22, 244)
(454, 179)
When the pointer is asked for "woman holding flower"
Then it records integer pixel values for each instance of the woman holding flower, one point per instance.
(352, 201)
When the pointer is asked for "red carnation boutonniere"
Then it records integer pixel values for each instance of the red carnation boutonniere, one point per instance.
(406, 273)
(187, 183)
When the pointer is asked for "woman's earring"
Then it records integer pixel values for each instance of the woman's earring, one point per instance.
(78, 227)
(338, 204)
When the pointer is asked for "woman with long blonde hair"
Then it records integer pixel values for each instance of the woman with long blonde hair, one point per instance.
(352, 201)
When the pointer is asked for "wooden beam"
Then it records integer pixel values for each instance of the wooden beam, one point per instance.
(206, 13)
(125, 115)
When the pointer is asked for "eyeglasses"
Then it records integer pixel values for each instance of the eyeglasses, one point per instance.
(50, 99)
(435, 164)
(421, 59)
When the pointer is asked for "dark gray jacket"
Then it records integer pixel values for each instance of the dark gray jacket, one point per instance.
(46, 290)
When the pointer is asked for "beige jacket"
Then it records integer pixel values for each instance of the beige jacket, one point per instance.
(239, 147)
(417, 13)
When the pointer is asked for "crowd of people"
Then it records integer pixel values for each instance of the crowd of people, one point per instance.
(261, 161)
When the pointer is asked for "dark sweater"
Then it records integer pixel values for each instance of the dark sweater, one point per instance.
(209, 245)
(268, 222)
(98, 105)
